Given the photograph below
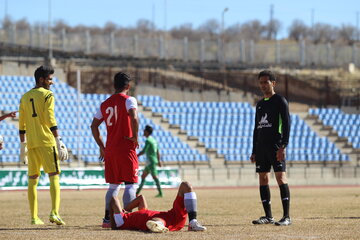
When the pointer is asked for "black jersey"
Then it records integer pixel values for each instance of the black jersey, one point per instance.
(272, 122)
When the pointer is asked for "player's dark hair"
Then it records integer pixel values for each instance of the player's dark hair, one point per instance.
(149, 129)
(43, 72)
(267, 73)
(121, 80)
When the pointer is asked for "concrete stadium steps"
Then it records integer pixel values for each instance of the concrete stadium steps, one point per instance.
(218, 160)
(217, 156)
(82, 148)
(327, 131)
(173, 93)
(175, 131)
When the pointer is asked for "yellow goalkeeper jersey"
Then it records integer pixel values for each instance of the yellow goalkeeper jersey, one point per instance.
(37, 118)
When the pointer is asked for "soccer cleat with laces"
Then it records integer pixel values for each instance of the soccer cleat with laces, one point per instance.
(194, 225)
(156, 226)
(264, 220)
(285, 221)
(159, 195)
(36, 221)
(106, 223)
(56, 219)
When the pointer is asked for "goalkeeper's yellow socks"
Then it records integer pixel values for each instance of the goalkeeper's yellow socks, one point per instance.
(32, 196)
(55, 194)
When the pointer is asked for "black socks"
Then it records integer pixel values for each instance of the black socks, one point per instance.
(285, 198)
(265, 199)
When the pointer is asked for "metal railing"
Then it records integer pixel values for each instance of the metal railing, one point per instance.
(303, 53)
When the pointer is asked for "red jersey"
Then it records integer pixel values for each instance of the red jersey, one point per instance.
(121, 162)
(174, 219)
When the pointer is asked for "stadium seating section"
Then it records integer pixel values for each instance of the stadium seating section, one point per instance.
(224, 126)
(346, 125)
(74, 123)
(228, 128)
(11, 145)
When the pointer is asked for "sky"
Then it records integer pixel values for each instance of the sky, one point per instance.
(171, 13)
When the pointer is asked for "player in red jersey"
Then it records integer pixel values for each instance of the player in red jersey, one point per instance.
(119, 112)
(184, 204)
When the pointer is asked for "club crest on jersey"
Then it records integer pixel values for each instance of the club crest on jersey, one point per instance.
(264, 123)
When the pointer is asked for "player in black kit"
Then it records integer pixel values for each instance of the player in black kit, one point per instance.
(271, 136)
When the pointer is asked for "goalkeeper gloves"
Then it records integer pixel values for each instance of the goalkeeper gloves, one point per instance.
(23, 153)
(62, 150)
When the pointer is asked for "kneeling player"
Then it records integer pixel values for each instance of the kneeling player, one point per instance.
(184, 204)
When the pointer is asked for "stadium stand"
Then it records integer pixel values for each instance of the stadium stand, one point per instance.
(224, 126)
(11, 150)
(228, 127)
(77, 135)
(346, 125)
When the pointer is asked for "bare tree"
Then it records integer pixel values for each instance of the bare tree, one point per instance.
(95, 30)
(22, 24)
(211, 27)
(7, 22)
(59, 25)
(298, 30)
(253, 30)
(184, 30)
(40, 26)
(145, 26)
(233, 33)
(272, 29)
(110, 27)
(78, 29)
(347, 33)
(323, 33)
(209, 30)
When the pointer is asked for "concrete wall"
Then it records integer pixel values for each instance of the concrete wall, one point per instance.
(17, 68)
(246, 176)
(172, 93)
(14, 68)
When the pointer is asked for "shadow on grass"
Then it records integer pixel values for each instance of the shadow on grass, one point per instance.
(96, 228)
(225, 225)
(34, 228)
(333, 218)
(55, 227)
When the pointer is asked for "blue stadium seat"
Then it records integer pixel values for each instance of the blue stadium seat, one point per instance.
(345, 124)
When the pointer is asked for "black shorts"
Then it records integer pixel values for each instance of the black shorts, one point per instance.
(265, 157)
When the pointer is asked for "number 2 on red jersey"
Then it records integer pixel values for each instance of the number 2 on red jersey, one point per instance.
(112, 115)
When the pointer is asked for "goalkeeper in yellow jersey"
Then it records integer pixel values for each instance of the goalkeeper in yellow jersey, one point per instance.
(41, 145)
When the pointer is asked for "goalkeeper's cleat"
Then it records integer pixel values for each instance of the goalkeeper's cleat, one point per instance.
(106, 223)
(264, 220)
(56, 219)
(156, 226)
(194, 225)
(285, 221)
(36, 221)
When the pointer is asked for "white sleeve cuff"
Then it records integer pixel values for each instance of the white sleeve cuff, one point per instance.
(131, 103)
(119, 221)
(190, 195)
(98, 115)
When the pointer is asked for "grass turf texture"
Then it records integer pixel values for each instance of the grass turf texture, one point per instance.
(317, 213)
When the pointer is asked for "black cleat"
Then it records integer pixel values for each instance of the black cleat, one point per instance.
(264, 220)
(285, 221)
